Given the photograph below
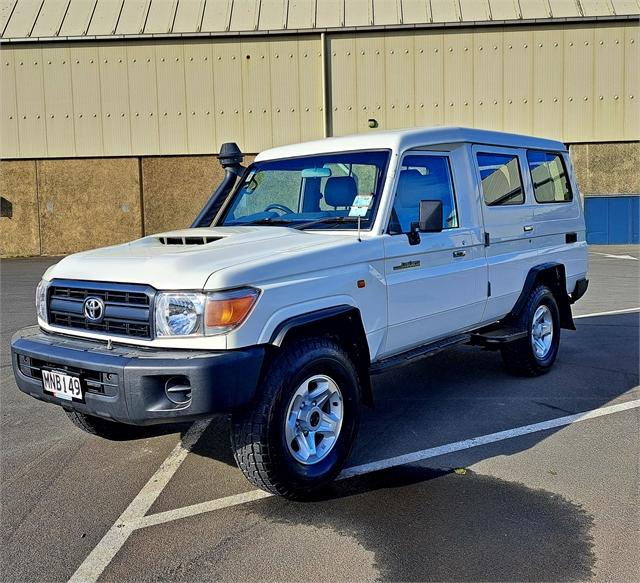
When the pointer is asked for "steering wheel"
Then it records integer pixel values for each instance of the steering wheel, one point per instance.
(275, 206)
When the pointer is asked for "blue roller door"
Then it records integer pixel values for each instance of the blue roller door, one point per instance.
(612, 219)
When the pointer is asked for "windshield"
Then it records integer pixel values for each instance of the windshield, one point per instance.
(321, 192)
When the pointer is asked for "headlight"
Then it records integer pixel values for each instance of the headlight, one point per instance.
(198, 314)
(179, 314)
(41, 299)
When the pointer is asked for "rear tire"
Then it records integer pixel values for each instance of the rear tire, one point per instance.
(111, 430)
(309, 394)
(535, 354)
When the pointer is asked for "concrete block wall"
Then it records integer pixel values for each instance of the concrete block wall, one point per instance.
(61, 206)
(87, 203)
(175, 189)
(20, 233)
(607, 169)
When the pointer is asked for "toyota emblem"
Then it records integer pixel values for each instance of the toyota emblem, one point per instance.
(93, 309)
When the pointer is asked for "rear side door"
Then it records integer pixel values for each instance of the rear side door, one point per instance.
(558, 216)
(507, 210)
(439, 286)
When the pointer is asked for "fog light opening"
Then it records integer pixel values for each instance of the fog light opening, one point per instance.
(178, 390)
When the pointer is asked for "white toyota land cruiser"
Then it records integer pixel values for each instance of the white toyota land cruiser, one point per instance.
(317, 266)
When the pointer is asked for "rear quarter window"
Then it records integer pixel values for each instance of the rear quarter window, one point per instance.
(549, 177)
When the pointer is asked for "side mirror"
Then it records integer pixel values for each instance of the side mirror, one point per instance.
(430, 216)
(430, 220)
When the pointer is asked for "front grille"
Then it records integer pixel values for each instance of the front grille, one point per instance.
(127, 308)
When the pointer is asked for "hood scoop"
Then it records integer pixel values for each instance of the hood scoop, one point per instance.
(187, 240)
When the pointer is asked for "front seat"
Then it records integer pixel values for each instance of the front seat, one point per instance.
(414, 187)
(436, 185)
(409, 192)
(340, 191)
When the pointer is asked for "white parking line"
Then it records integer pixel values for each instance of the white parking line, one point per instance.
(97, 561)
(612, 256)
(194, 509)
(609, 313)
(135, 517)
(414, 457)
(432, 452)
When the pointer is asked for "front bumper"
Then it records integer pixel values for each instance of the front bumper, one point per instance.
(127, 384)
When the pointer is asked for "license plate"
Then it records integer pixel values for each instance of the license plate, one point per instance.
(61, 385)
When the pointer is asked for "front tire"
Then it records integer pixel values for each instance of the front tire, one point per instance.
(297, 436)
(111, 430)
(535, 354)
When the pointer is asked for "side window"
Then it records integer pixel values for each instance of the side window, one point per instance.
(501, 182)
(423, 178)
(549, 177)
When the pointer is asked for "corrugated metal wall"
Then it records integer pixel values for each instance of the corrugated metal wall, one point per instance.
(115, 99)
(578, 83)
(574, 83)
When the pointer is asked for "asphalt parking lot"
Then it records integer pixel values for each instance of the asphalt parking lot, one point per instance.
(549, 495)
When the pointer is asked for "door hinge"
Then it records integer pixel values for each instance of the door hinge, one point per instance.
(488, 289)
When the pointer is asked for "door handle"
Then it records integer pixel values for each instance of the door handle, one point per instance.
(528, 228)
(459, 253)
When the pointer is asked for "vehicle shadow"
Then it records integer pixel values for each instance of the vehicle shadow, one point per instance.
(139, 432)
(422, 524)
(426, 522)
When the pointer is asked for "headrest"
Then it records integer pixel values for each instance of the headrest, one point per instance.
(340, 191)
(409, 177)
(410, 188)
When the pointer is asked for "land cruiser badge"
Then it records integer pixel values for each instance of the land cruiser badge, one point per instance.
(406, 265)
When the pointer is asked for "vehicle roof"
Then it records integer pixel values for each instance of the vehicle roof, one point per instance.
(401, 140)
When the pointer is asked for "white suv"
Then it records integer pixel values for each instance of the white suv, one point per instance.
(318, 265)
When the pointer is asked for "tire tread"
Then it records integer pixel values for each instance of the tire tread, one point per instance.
(249, 431)
(111, 430)
(517, 356)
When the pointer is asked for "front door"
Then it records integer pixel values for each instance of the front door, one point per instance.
(439, 286)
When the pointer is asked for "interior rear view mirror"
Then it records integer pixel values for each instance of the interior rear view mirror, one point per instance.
(316, 173)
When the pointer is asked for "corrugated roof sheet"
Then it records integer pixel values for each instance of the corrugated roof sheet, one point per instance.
(77, 19)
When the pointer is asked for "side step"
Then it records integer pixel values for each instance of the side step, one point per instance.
(496, 335)
(414, 354)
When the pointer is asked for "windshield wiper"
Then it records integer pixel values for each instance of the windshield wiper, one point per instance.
(265, 221)
(299, 224)
(328, 221)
